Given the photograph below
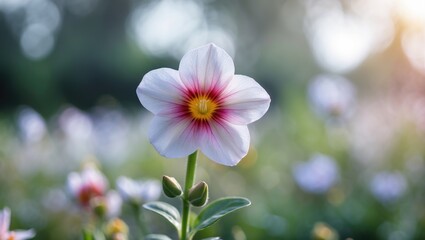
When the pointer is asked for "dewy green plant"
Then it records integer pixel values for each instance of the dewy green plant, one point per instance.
(203, 106)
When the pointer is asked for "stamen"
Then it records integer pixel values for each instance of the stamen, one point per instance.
(203, 106)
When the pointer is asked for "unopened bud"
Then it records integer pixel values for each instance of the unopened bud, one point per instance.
(322, 231)
(99, 206)
(116, 229)
(171, 187)
(198, 194)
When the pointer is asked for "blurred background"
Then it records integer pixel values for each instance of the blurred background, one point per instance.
(340, 153)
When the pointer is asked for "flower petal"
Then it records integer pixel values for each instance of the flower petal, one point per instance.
(22, 235)
(245, 101)
(151, 190)
(226, 143)
(93, 177)
(160, 91)
(4, 220)
(114, 203)
(173, 137)
(74, 183)
(127, 188)
(206, 68)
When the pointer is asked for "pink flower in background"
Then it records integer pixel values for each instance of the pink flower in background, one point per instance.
(5, 234)
(203, 105)
(86, 185)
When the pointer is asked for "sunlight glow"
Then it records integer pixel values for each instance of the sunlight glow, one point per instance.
(414, 47)
(412, 12)
(37, 41)
(342, 41)
(157, 34)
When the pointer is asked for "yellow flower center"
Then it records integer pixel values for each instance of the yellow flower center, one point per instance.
(11, 236)
(202, 107)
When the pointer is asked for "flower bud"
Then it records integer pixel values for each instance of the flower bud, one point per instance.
(116, 229)
(198, 194)
(322, 231)
(99, 206)
(171, 187)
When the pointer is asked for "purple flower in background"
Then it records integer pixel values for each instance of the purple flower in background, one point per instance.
(138, 191)
(332, 97)
(317, 175)
(388, 187)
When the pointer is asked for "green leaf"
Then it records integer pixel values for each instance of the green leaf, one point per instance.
(166, 210)
(87, 235)
(157, 237)
(212, 238)
(217, 209)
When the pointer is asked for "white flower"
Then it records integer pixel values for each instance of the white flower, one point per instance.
(317, 175)
(138, 191)
(5, 234)
(332, 96)
(31, 125)
(203, 105)
(86, 185)
(388, 187)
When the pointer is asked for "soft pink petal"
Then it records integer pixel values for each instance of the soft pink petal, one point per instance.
(226, 143)
(206, 68)
(92, 176)
(245, 100)
(160, 91)
(4, 220)
(173, 138)
(23, 235)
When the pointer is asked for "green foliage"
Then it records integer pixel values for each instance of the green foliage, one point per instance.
(166, 210)
(216, 210)
(157, 237)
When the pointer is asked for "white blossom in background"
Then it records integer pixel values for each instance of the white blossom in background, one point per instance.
(32, 127)
(6, 234)
(75, 124)
(113, 204)
(112, 135)
(317, 175)
(77, 128)
(388, 187)
(332, 97)
(138, 191)
(35, 149)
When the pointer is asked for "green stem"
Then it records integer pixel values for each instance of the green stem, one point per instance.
(190, 177)
(140, 222)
